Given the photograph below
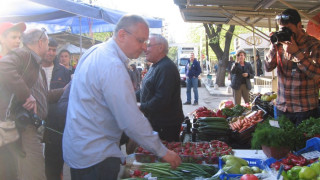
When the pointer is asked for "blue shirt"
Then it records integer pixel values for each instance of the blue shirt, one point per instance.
(102, 105)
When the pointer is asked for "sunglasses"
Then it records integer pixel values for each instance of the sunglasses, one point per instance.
(43, 32)
(283, 18)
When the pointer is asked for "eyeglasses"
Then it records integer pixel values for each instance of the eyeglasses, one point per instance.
(150, 45)
(43, 32)
(141, 41)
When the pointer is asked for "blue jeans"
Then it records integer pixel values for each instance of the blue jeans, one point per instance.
(192, 83)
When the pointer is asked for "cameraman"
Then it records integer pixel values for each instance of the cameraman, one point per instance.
(297, 62)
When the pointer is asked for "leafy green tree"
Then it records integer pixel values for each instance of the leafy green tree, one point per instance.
(214, 33)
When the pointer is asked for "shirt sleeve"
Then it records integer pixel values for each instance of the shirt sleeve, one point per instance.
(271, 59)
(310, 63)
(120, 98)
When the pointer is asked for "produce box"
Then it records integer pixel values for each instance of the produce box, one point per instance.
(251, 162)
(246, 135)
(145, 158)
(313, 144)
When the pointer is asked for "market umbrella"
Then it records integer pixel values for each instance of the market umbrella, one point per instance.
(314, 29)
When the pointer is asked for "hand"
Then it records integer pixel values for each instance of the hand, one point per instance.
(172, 158)
(245, 74)
(30, 104)
(290, 46)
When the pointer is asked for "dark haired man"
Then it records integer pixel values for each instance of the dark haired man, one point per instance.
(57, 77)
(298, 70)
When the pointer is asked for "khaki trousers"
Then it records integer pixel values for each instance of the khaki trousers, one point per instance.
(31, 166)
(241, 92)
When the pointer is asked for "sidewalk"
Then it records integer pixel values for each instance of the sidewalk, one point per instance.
(216, 91)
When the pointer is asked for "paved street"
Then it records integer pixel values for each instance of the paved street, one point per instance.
(205, 99)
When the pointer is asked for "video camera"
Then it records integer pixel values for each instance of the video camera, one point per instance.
(24, 117)
(283, 35)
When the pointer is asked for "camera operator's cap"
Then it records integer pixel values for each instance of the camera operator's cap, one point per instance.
(7, 26)
(288, 16)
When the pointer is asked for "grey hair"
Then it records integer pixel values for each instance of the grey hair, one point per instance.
(31, 36)
(128, 21)
(161, 40)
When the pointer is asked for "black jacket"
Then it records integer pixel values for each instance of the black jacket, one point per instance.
(61, 76)
(160, 95)
(236, 75)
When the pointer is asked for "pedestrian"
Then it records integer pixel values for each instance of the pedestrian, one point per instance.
(193, 70)
(160, 95)
(102, 105)
(10, 38)
(259, 65)
(137, 77)
(64, 58)
(21, 74)
(241, 73)
(297, 68)
(57, 77)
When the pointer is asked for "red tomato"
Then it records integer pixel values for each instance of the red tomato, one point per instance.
(249, 177)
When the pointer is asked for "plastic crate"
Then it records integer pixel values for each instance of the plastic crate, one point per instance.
(313, 144)
(246, 136)
(251, 162)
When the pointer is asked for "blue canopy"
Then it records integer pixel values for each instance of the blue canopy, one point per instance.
(64, 15)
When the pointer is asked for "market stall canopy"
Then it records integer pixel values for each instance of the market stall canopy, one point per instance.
(258, 13)
(66, 37)
(63, 15)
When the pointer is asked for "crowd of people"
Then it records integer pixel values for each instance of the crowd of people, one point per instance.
(88, 110)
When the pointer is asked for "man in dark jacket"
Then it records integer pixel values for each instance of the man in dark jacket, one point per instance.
(193, 70)
(160, 93)
(57, 77)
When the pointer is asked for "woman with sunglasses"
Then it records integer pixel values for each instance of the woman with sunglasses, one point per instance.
(241, 73)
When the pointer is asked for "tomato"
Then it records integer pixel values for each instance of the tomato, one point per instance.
(249, 177)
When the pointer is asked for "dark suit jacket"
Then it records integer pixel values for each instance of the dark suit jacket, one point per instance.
(236, 75)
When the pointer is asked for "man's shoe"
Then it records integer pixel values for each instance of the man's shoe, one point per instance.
(195, 103)
(187, 103)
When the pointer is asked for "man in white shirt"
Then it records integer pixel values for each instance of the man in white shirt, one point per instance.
(102, 105)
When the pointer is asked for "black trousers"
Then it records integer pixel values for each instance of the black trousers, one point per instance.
(53, 160)
(169, 133)
(298, 117)
(108, 169)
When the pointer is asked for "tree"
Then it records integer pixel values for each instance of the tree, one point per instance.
(214, 35)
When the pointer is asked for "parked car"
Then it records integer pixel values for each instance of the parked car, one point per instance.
(183, 78)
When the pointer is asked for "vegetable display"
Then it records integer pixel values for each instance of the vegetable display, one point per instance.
(242, 124)
(184, 171)
(310, 127)
(290, 161)
(285, 136)
(236, 165)
(212, 125)
(190, 152)
(237, 110)
(205, 112)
